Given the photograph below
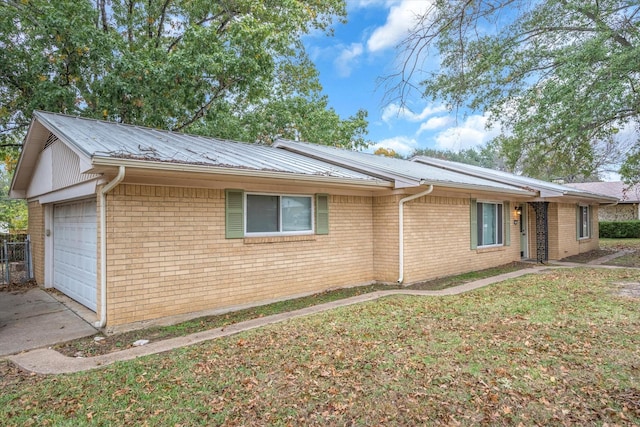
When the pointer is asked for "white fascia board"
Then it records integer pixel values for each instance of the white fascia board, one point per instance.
(514, 191)
(217, 170)
(547, 193)
(26, 162)
(77, 191)
(14, 194)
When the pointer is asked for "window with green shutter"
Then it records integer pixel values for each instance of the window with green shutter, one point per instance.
(260, 214)
(489, 224)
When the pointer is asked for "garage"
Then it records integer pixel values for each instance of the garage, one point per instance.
(75, 251)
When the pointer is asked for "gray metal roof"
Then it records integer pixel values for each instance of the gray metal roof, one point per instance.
(545, 188)
(96, 138)
(406, 173)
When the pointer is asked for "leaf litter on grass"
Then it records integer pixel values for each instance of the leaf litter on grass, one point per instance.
(559, 348)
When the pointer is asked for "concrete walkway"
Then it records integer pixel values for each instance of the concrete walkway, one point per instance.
(33, 318)
(48, 361)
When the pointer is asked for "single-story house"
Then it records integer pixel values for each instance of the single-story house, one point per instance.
(139, 224)
(628, 196)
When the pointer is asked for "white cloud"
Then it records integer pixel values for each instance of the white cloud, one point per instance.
(361, 4)
(471, 133)
(345, 61)
(400, 144)
(402, 18)
(435, 123)
(395, 111)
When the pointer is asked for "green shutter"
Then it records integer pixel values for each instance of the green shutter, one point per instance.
(474, 223)
(590, 222)
(322, 214)
(506, 213)
(234, 214)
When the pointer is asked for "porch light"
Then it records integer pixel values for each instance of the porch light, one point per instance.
(518, 214)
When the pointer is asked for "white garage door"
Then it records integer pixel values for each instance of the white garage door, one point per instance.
(75, 251)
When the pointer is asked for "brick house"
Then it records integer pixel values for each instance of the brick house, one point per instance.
(139, 224)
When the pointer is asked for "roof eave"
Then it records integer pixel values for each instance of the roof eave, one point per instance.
(230, 171)
(476, 187)
(545, 191)
(591, 196)
(400, 180)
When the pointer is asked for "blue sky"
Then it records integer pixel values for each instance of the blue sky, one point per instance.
(365, 49)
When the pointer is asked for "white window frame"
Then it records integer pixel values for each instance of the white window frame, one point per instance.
(280, 232)
(500, 238)
(584, 234)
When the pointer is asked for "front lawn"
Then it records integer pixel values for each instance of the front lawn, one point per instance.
(559, 348)
(609, 247)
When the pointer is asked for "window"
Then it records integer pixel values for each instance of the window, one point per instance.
(584, 222)
(253, 214)
(489, 224)
(278, 214)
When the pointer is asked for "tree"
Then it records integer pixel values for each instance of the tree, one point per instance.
(387, 152)
(203, 66)
(561, 77)
(487, 156)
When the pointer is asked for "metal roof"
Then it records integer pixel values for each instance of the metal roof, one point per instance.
(623, 192)
(405, 173)
(546, 189)
(97, 138)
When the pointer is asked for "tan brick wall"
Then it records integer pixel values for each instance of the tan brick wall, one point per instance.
(438, 240)
(385, 233)
(167, 254)
(562, 231)
(36, 231)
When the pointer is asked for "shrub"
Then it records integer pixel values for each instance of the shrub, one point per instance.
(620, 230)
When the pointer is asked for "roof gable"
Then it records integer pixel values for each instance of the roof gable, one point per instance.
(96, 141)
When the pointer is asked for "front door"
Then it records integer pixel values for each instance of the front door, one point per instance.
(524, 238)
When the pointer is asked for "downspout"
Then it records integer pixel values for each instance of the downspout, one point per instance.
(103, 245)
(401, 229)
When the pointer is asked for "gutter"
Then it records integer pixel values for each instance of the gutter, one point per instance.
(221, 170)
(401, 229)
(103, 245)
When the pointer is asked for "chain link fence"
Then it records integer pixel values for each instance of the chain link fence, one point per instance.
(16, 265)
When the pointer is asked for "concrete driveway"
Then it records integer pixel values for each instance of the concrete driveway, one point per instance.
(35, 319)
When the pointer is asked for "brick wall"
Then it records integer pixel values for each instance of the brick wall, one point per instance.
(562, 231)
(438, 240)
(167, 254)
(385, 233)
(36, 231)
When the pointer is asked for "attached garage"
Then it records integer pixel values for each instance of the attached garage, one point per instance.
(75, 251)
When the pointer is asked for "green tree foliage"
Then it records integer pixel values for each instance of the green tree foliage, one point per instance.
(214, 67)
(561, 77)
(487, 157)
(13, 213)
(387, 152)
